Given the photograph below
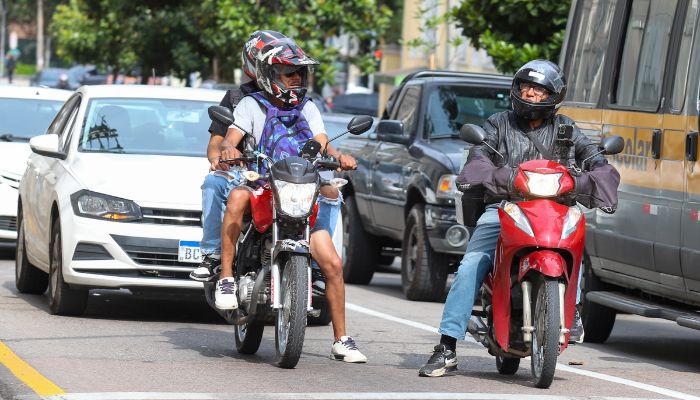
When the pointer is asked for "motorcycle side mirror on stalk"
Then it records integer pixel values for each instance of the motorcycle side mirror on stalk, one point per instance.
(608, 146)
(475, 135)
(357, 126)
(220, 114)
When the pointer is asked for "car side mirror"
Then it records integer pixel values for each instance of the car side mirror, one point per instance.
(392, 131)
(473, 134)
(46, 145)
(612, 145)
(221, 114)
(360, 124)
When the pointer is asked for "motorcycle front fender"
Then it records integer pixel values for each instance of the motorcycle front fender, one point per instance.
(547, 262)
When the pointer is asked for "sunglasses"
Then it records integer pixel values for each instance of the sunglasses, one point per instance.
(538, 90)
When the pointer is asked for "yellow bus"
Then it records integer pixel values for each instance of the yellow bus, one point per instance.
(633, 69)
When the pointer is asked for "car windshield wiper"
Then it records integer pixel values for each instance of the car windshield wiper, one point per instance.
(8, 137)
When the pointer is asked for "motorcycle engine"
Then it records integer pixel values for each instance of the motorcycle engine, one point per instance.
(245, 289)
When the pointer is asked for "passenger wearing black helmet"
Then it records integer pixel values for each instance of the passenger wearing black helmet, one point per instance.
(538, 89)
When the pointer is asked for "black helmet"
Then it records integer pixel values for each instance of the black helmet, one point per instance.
(282, 56)
(540, 73)
(252, 47)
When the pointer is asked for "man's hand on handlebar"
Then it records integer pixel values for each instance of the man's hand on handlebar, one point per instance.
(216, 165)
(228, 153)
(347, 162)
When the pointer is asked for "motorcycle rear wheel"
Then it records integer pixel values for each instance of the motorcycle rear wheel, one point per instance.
(545, 339)
(290, 325)
(507, 366)
(248, 336)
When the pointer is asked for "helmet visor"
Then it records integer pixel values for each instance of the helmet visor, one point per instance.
(290, 76)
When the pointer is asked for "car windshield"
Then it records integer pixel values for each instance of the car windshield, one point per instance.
(146, 126)
(24, 118)
(450, 107)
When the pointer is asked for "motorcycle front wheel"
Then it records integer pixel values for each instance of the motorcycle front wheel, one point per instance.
(291, 317)
(545, 339)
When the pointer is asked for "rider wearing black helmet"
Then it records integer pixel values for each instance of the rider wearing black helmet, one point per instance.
(538, 89)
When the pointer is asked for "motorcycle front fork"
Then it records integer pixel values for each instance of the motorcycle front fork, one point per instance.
(275, 272)
(528, 328)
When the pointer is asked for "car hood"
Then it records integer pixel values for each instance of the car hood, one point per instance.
(13, 157)
(149, 180)
(452, 148)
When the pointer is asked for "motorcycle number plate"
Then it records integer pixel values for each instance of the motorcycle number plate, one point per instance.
(189, 252)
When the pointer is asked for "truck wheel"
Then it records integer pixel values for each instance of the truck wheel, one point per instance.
(598, 320)
(360, 249)
(423, 271)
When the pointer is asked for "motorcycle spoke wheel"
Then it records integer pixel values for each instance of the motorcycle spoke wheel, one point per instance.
(545, 339)
(291, 317)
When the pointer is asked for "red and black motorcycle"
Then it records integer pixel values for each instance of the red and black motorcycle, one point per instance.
(529, 297)
(273, 260)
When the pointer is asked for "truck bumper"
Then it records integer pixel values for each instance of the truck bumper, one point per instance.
(444, 233)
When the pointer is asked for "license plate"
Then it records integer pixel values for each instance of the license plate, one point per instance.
(189, 252)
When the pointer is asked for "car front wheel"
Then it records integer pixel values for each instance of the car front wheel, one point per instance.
(63, 300)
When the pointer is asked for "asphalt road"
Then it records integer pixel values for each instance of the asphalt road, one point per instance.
(128, 347)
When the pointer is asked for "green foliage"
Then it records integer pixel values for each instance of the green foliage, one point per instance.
(514, 31)
(179, 36)
(25, 69)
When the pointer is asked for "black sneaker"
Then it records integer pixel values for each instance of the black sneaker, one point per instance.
(576, 329)
(207, 270)
(318, 282)
(442, 361)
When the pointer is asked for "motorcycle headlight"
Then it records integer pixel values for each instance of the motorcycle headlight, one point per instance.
(295, 199)
(570, 222)
(520, 219)
(544, 185)
(101, 206)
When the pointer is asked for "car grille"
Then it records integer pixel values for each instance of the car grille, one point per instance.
(171, 217)
(154, 253)
(8, 223)
(10, 179)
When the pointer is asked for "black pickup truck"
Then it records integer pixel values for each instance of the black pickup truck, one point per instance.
(400, 200)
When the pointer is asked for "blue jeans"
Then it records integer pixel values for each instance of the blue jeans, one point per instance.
(476, 264)
(215, 190)
(327, 216)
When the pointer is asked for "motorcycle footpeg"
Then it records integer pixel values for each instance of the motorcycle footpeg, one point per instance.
(315, 313)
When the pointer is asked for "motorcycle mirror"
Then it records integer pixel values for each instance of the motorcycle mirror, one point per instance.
(360, 124)
(310, 149)
(612, 144)
(220, 114)
(337, 182)
(473, 134)
(251, 176)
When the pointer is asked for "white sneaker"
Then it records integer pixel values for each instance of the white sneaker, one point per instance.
(346, 350)
(225, 294)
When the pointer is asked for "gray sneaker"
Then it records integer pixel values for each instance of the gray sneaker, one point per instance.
(442, 361)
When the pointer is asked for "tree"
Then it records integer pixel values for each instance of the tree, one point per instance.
(514, 31)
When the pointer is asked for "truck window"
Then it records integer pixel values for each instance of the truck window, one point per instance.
(590, 43)
(450, 107)
(407, 110)
(641, 69)
(682, 67)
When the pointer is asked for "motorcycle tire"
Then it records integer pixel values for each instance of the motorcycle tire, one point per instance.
(507, 366)
(290, 324)
(598, 320)
(545, 338)
(248, 336)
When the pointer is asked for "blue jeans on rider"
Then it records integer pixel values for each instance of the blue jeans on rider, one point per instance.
(327, 216)
(475, 266)
(215, 190)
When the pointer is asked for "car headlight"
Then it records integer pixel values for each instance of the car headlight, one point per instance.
(295, 199)
(571, 221)
(520, 219)
(101, 206)
(544, 185)
(446, 188)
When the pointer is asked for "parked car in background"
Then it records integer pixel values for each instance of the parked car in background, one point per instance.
(111, 195)
(356, 103)
(400, 200)
(80, 75)
(56, 78)
(24, 112)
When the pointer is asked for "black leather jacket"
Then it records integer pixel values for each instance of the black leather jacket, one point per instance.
(596, 186)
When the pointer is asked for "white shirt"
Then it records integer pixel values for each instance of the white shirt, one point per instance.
(249, 117)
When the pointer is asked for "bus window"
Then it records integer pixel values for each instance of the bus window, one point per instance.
(588, 56)
(681, 76)
(644, 54)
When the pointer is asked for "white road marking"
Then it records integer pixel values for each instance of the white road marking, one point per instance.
(316, 396)
(597, 375)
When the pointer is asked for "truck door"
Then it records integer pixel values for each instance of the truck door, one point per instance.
(388, 185)
(686, 99)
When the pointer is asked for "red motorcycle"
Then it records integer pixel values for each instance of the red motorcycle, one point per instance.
(529, 298)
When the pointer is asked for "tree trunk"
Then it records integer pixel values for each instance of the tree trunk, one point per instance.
(215, 68)
(39, 35)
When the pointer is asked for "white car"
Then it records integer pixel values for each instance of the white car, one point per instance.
(24, 112)
(111, 196)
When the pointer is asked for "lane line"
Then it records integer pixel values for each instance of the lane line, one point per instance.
(318, 396)
(27, 374)
(597, 375)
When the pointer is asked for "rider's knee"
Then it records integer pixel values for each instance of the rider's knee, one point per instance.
(237, 201)
(335, 269)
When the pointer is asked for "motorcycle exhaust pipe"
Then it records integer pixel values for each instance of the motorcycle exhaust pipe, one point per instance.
(562, 330)
(527, 311)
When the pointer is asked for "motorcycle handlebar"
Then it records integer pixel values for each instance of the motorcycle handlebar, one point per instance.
(238, 159)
